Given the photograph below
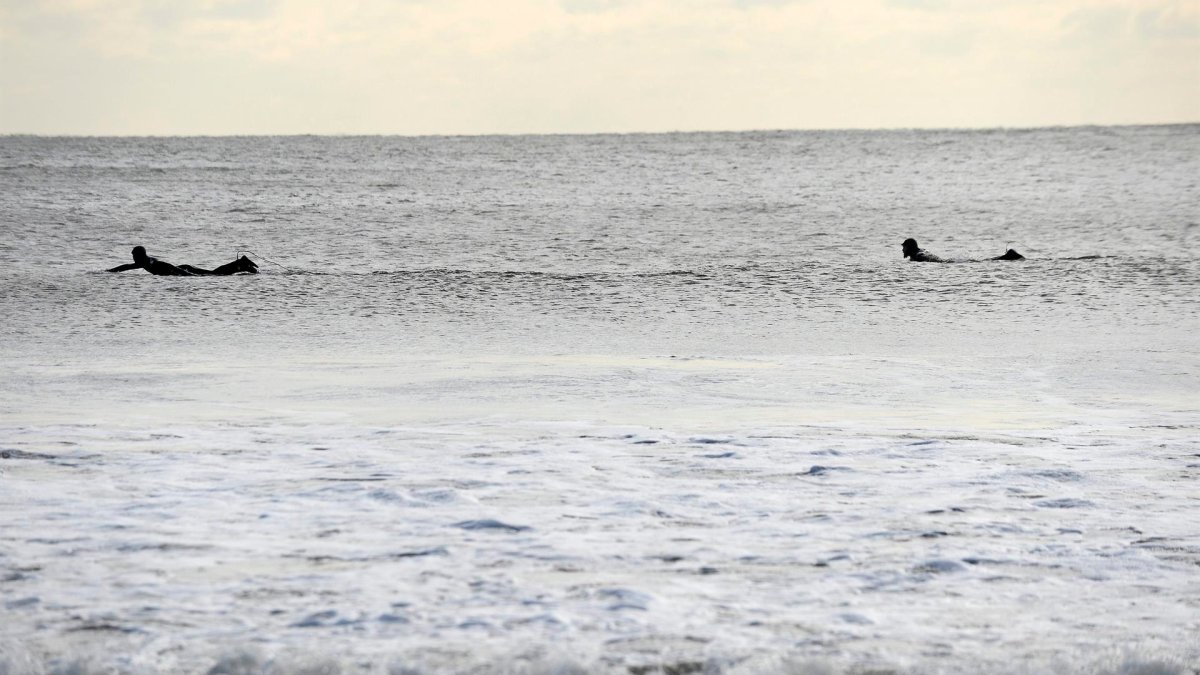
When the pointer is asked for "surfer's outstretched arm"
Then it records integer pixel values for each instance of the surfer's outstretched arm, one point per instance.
(152, 265)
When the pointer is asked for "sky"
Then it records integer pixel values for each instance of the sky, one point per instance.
(181, 67)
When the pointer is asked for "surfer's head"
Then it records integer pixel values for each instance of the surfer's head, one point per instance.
(909, 247)
(139, 254)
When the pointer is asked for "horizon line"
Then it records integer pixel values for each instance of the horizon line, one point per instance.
(20, 134)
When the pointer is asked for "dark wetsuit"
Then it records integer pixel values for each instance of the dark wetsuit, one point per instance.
(166, 269)
(921, 255)
(918, 254)
(154, 266)
(242, 264)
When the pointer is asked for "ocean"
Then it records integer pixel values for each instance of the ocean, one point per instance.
(656, 403)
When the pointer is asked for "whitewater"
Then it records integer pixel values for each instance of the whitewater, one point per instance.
(638, 404)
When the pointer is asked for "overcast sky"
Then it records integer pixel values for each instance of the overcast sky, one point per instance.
(552, 66)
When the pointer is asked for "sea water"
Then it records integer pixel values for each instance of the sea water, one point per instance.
(615, 403)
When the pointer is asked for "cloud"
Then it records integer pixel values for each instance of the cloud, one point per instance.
(469, 66)
(1173, 21)
(920, 4)
(590, 6)
(749, 4)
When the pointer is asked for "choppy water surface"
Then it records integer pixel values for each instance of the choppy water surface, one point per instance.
(630, 404)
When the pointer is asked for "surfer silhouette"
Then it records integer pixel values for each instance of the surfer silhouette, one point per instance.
(917, 254)
(163, 268)
(911, 251)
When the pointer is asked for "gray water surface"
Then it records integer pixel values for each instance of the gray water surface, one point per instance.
(616, 403)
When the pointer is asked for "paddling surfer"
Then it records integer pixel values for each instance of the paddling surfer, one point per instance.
(917, 254)
(163, 268)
